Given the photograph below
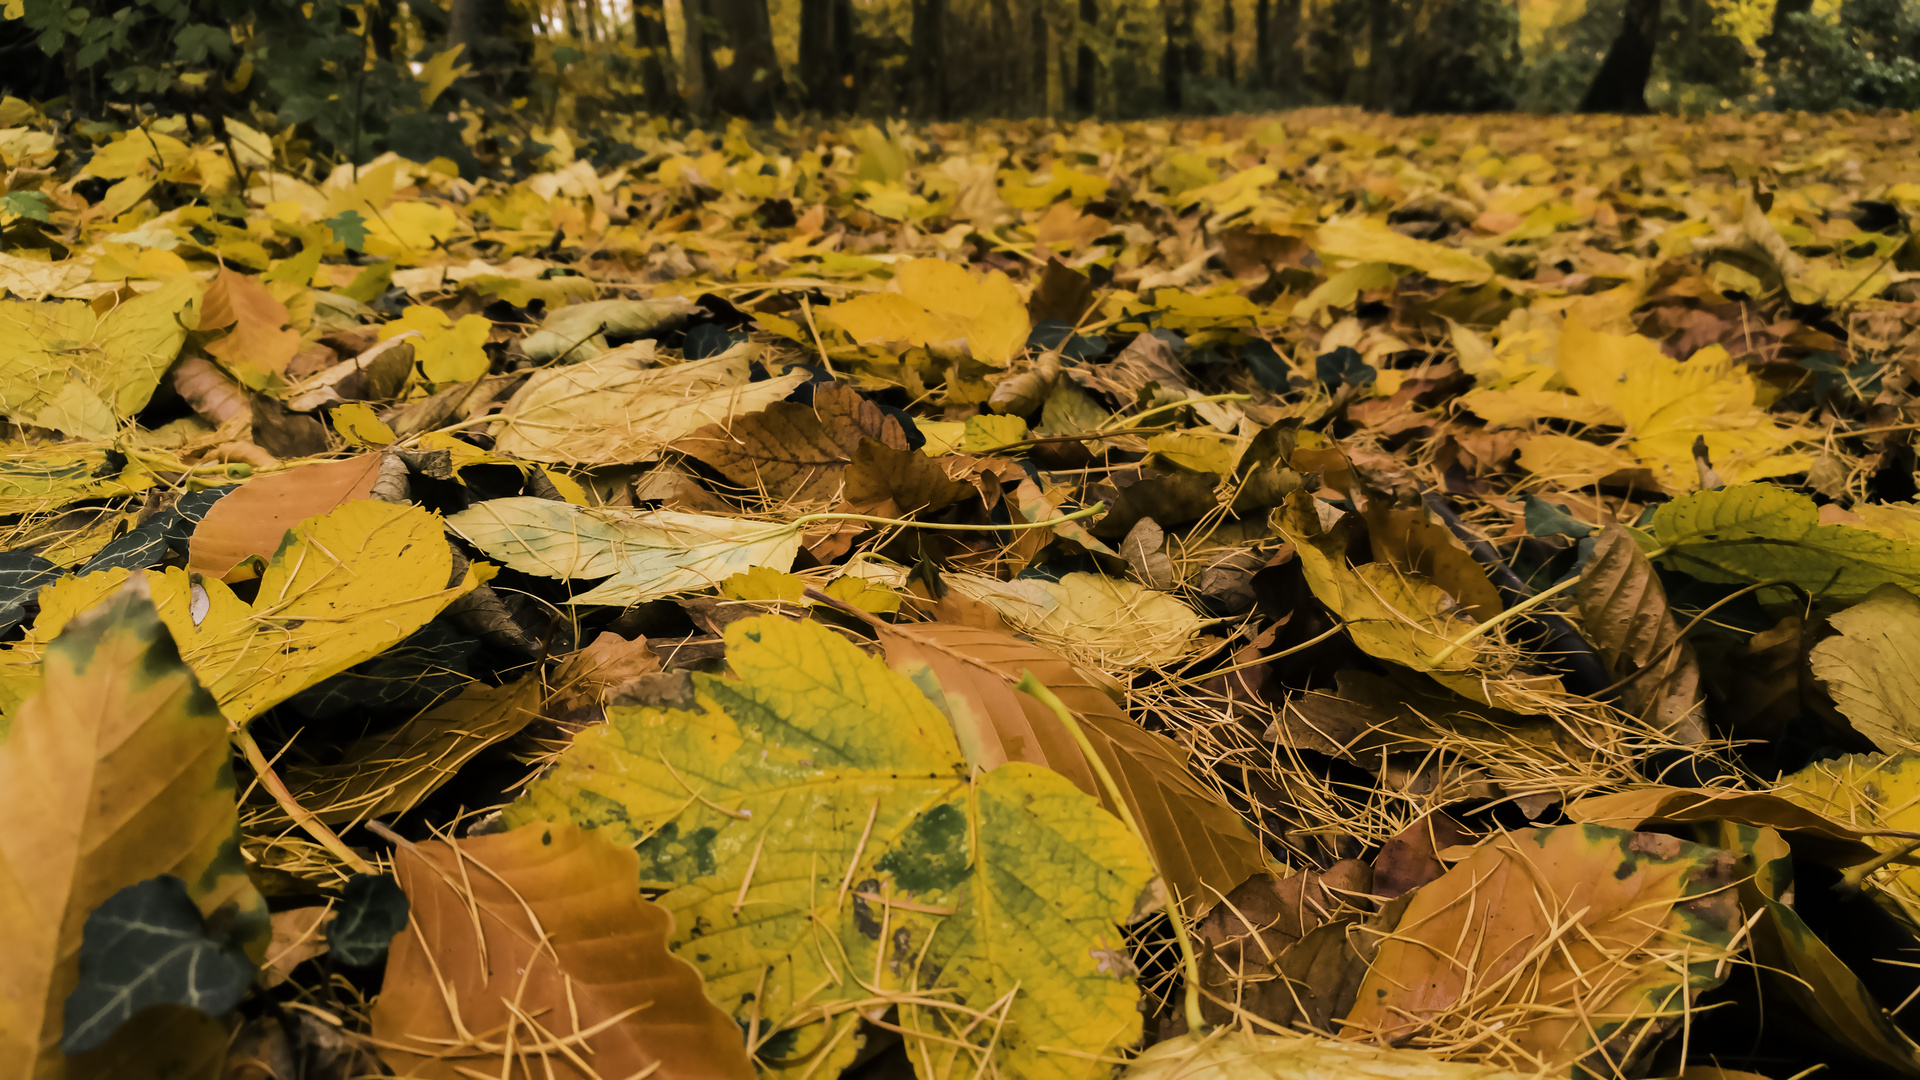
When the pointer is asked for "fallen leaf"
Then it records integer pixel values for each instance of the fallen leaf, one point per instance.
(1574, 940)
(640, 554)
(610, 410)
(253, 520)
(259, 344)
(1200, 844)
(124, 749)
(1624, 612)
(879, 841)
(534, 950)
(1868, 668)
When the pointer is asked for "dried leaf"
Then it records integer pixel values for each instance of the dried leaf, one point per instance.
(534, 950)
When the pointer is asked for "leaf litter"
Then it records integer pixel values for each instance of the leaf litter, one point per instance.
(1315, 595)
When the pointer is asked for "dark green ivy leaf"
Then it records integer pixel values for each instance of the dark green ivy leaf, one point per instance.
(21, 576)
(1343, 367)
(147, 945)
(372, 910)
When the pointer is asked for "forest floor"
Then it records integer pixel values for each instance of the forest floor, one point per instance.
(1432, 596)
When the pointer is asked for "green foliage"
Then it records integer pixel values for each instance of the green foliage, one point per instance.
(148, 945)
(372, 910)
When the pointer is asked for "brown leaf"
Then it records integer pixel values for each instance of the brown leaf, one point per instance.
(536, 945)
(1411, 542)
(260, 344)
(598, 675)
(888, 482)
(792, 452)
(214, 395)
(283, 433)
(1061, 292)
(299, 935)
(1412, 857)
(1546, 945)
(1624, 614)
(1201, 845)
(252, 520)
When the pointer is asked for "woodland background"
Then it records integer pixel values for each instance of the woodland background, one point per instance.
(344, 73)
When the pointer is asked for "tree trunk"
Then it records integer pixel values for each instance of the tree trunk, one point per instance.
(380, 27)
(1037, 65)
(1230, 63)
(1086, 64)
(500, 59)
(751, 85)
(1173, 60)
(1620, 86)
(1381, 74)
(656, 61)
(698, 69)
(1192, 54)
(1263, 44)
(818, 79)
(1006, 76)
(929, 58)
(1284, 48)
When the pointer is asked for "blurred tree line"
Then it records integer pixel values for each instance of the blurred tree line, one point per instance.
(349, 73)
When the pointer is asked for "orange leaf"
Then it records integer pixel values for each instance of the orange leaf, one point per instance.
(259, 345)
(252, 520)
(537, 943)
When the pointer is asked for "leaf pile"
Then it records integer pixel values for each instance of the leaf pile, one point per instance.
(576, 623)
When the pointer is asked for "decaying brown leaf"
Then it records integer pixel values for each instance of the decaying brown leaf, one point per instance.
(532, 952)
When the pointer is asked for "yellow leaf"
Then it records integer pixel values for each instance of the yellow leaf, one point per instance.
(439, 73)
(934, 302)
(118, 358)
(1368, 241)
(342, 588)
(360, 425)
(609, 410)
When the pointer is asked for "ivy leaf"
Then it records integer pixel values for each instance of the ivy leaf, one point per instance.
(148, 945)
(372, 910)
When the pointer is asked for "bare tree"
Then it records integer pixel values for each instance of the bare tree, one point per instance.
(656, 60)
(751, 85)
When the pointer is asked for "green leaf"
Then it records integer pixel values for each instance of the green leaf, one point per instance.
(814, 825)
(372, 909)
(148, 945)
(1750, 533)
(33, 205)
(349, 228)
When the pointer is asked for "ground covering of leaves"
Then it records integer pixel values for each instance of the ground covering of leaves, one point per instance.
(817, 602)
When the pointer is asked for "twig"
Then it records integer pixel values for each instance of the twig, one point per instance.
(314, 827)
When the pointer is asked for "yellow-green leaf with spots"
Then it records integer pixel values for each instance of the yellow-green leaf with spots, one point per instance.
(823, 849)
(115, 771)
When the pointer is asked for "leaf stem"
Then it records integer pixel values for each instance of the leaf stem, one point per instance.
(314, 827)
(1516, 610)
(1855, 877)
(1196, 1023)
